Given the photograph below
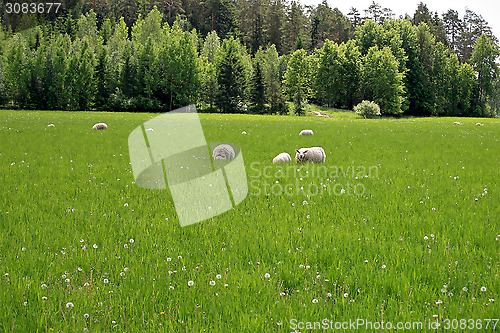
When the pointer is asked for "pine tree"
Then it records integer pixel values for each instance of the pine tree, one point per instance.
(102, 79)
(257, 91)
(231, 77)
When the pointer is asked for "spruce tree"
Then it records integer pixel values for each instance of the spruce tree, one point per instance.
(258, 91)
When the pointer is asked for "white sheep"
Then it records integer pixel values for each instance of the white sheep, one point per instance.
(51, 125)
(313, 154)
(223, 152)
(457, 123)
(100, 126)
(479, 124)
(306, 132)
(282, 158)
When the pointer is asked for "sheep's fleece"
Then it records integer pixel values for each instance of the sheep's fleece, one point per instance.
(223, 152)
(306, 132)
(100, 126)
(282, 158)
(313, 154)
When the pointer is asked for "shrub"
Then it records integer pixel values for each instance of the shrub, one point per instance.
(367, 109)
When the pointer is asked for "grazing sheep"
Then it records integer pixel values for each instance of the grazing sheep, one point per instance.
(51, 125)
(282, 158)
(306, 132)
(243, 132)
(100, 126)
(479, 124)
(314, 154)
(223, 152)
(457, 123)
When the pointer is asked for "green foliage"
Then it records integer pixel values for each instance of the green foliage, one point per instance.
(150, 27)
(90, 60)
(87, 26)
(231, 77)
(257, 91)
(211, 47)
(272, 72)
(16, 71)
(382, 81)
(367, 109)
(484, 61)
(328, 86)
(297, 80)
(338, 74)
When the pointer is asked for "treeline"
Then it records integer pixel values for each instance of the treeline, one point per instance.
(157, 66)
(259, 23)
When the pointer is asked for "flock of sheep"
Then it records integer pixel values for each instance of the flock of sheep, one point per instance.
(98, 126)
(313, 154)
(226, 152)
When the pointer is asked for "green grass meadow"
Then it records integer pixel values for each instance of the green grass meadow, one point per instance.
(404, 226)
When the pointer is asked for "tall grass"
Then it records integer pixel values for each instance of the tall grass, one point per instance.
(81, 247)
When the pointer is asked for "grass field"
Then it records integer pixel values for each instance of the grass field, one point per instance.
(404, 226)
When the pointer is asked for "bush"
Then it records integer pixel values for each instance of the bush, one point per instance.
(367, 109)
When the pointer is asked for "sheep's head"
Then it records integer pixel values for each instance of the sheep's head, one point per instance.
(301, 154)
